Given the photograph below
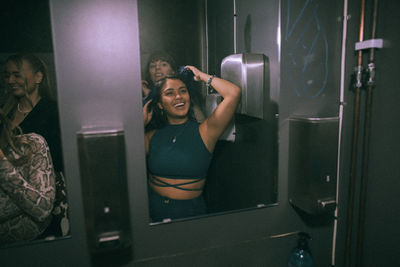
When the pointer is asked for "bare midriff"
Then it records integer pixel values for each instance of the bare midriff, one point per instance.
(175, 193)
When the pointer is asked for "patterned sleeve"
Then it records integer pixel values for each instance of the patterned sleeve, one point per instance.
(31, 187)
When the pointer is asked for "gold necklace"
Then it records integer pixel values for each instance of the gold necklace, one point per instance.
(21, 111)
(182, 129)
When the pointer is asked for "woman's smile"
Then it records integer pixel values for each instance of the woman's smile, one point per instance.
(175, 99)
(180, 105)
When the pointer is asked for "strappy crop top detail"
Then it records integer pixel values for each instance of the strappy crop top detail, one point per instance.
(178, 152)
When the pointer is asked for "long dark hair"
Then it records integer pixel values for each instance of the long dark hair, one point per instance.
(9, 140)
(37, 65)
(159, 119)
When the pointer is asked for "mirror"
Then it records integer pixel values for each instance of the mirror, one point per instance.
(33, 196)
(243, 173)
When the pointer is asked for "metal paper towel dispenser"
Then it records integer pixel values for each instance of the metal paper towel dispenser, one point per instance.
(104, 183)
(251, 73)
(313, 151)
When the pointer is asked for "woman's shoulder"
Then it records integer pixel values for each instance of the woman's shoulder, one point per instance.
(148, 135)
(46, 107)
(34, 137)
(48, 101)
(32, 142)
(45, 112)
(194, 124)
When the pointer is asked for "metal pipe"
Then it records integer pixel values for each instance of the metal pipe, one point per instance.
(354, 150)
(234, 27)
(206, 67)
(366, 141)
(341, 109)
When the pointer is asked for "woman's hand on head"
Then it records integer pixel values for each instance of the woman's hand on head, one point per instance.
(147, 114)
(196, 72)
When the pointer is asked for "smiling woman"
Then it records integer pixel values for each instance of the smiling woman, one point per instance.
(243, 172)
(160, 65)
(179, 152)
(28, 101)
(27, 96)
(30, 108)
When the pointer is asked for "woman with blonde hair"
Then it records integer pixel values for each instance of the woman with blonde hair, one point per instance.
(29, 105)
(29, 102)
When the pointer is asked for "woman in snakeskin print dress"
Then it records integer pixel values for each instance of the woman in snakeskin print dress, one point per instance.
(27, 184)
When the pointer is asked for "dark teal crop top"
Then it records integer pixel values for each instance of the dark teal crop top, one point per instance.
(178, 152)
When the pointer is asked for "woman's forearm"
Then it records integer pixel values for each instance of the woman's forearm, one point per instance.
(225, 88)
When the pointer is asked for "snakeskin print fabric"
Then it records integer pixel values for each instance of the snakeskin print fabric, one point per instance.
(27, 193)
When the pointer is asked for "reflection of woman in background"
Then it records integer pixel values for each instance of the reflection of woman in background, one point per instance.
(179, 151)
(30, 107)
(27, 184)
(161, 64)
(29, 104)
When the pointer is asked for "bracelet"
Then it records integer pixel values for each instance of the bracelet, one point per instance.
(210, 80)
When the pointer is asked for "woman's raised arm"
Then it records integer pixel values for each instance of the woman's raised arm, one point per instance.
(213, 126)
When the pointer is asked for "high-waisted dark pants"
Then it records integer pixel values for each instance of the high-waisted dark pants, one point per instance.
(165, 208)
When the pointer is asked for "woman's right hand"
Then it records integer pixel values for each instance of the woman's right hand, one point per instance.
(145, 88)
(147, 114)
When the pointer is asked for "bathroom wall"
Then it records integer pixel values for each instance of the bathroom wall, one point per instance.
(309, 85)
(382, 215)
(250, 238)
(254, 238)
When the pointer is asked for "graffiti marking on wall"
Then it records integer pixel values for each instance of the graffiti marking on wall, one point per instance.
(308, 50)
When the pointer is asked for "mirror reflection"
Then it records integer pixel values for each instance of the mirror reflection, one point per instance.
(211, 171)
(33, 197)
(179, 149)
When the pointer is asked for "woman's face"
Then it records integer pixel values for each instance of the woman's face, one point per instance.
(159, 69)
(16, 78)
(174, 100)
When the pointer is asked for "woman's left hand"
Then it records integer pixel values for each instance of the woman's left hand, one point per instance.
(145, 88)
(147, 115)
(196, 72)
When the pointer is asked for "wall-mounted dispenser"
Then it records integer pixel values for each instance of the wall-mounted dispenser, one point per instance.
(313, 144)
(251, 73)
(105, 193)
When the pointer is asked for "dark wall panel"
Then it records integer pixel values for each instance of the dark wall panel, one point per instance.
(25, 26)
(173, 27)
(311, 43)
(382, 213)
